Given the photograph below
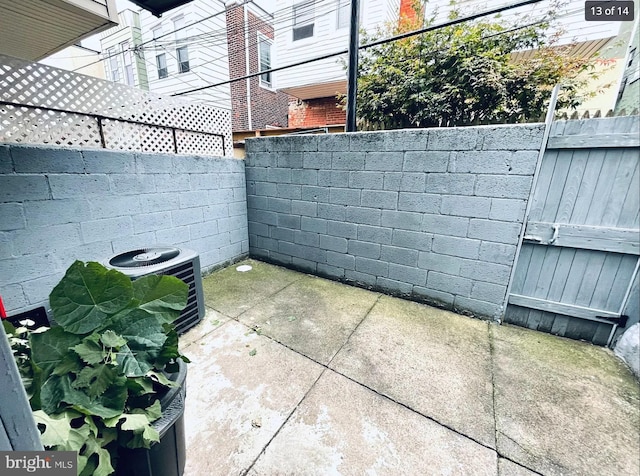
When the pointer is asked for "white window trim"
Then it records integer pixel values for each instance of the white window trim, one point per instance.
(269, 87)
(166, 66)
(348, 9)
(311, 38)
(158, 26)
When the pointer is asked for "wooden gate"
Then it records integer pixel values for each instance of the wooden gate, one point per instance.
(580, 250)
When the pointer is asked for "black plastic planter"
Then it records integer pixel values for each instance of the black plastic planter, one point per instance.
(166, 458)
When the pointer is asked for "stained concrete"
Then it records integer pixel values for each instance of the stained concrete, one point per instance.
(210, 322)
(241, 388)
(344, 428)
(564, 407)
(509, 468)
(430, 360)
(312, 316)
(369, 384)
(232, 292)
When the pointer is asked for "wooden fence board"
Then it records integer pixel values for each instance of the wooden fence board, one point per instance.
(630, 209)
(584, 237)
(560, 308)
(601, 140)
(586, 192)
(556, 187)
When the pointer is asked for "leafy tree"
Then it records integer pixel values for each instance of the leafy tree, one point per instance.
(466, 74)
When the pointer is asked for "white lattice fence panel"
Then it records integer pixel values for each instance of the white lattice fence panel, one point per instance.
(32, 125)
(41, 86)
(122, 135)
(199, 144)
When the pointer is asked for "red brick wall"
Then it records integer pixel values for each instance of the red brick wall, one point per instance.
(316, 112)
(268, 108)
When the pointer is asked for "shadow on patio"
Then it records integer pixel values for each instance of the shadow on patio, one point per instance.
(293, 374)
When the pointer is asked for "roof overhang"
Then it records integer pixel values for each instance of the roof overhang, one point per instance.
(582, 49)
(158, 7)
(317, 90)
(35, 29)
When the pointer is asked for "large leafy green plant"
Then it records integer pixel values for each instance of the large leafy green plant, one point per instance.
(97, 375)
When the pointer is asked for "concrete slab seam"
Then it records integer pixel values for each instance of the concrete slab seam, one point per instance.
(386, 397)
(366, 314)
(246, 471)
(493, 400)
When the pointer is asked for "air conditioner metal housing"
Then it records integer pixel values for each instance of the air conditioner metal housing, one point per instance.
(170, 261)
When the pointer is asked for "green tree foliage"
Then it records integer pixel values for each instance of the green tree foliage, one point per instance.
(466, 74)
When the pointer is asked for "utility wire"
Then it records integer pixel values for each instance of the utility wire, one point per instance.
(254, 42)
(369, 45)
(173, 32)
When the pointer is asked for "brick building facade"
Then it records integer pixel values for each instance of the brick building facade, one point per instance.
(318, 112)
(255, 105)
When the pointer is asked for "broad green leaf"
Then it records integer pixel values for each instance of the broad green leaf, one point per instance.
(150, 435)
(104, 467)
(56, 428)
(48, 349)
(111, 339)
(96, 379)
(130, 421)
(169, 349)
(153, 411)
(57, 392)
(88, 295)
(131, 366)
(90, 349)
(145, 338)
(139, 386)
(70, 363)
(144, 439)
(164, 295)
(82, 464)
(162, 379)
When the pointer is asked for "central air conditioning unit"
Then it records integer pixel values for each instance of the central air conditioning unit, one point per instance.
(181, 263)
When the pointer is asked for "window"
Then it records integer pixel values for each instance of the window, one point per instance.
(343, 14)
(157, 32)
(264, 59)
(161, 63)
(182, 55)
(182, 50)
(303, 16)
(128, 63)
(114, 70)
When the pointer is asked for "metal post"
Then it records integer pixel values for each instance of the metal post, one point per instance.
(352, 80)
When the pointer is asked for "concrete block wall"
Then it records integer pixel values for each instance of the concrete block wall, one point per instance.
(58, 205)
(433, 214)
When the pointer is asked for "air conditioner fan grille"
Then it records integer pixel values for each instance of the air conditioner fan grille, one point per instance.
(143, 257)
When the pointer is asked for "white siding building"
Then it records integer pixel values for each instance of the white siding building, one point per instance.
(309, 28)
(186, 49)
(124, 61)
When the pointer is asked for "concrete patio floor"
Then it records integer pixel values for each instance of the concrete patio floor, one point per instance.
(296, 375)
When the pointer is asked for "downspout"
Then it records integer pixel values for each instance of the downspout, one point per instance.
(246, 58)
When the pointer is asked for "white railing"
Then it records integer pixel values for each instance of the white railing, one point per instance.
(40, 104)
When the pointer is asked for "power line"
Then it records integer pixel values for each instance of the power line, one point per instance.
(173, 32)
(369, 45)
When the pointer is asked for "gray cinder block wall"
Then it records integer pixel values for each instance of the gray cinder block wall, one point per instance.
(58, 205)
(433, 215)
